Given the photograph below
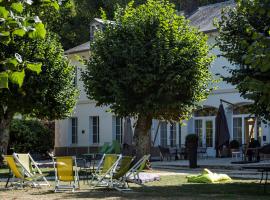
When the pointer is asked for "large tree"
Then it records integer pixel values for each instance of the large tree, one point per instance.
(149, 64)
(48, 95)
(244, 39)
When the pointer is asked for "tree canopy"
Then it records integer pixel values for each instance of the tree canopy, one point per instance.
(14, 23)
(49, 95)
(244, 39)
(150, 64)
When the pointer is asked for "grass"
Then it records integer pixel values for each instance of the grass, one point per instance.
(169, 187)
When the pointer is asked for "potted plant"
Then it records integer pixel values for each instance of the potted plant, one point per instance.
(191, 146)
(234, 146)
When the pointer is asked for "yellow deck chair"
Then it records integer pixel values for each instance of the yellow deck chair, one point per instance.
(17, 171)
(66, 171)
(28, 163)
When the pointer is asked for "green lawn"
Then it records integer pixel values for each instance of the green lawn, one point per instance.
(169, 187)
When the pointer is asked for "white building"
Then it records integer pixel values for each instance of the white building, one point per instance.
(91, 126)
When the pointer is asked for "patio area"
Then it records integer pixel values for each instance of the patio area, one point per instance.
(219, 165)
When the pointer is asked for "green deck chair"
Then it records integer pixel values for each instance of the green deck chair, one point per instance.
(17, 171)
(119, 177)
(133, 173)
(26, 160)
(106, 163)
(115, 177)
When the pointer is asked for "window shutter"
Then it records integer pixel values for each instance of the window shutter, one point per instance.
(90, 130)
(113, 128)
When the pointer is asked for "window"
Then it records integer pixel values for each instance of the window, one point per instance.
(75, 76)
(237, 129)
(173, 135)
(119, 129)
(180, 133)
(94, 129)
(259, 130)
(74, 130)
(209, 133)
(199, 131)
(163, 134)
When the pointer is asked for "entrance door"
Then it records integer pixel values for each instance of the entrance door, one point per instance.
(205, 129)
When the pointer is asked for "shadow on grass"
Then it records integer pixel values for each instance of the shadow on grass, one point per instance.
(245, 191)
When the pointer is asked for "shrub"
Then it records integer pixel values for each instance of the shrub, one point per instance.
(234, 144)
(30, 136)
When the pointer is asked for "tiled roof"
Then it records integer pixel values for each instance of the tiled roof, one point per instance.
(204, 16)
(80, 48)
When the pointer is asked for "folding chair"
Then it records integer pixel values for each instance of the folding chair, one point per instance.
(133, 173)
(106, 162)
(115, 176)
(118, 180)
(28, 162)
(18, 172)
(66, 171)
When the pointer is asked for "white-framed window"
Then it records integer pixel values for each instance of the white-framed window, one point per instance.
(180, 135)
(237, 129)
(119, 129)
(74, 130)
(209, 133)
(199, 131)
(163, 134)
(94, 129)
(172, 134)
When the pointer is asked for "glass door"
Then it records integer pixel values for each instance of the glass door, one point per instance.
(205, 129)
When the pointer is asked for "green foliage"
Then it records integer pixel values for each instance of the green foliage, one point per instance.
(150, 62)
(245, 41)
(30, 136)
(15, 22)
(48, 90)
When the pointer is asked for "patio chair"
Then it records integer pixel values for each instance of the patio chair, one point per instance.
(115, 177)
(133, 173)
(66, 171)
(165, 153)
(202, 151)
(105, 165)
(18, 172)
(28, 163)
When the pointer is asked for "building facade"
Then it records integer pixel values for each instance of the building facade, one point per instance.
(91, 126)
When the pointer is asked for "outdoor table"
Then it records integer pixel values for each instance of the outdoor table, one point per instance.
(262, 169)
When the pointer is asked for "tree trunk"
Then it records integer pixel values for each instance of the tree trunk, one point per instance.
(142, 135)
(4, 133)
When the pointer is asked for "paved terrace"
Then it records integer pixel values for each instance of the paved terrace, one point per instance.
(218, 165)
